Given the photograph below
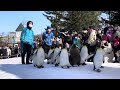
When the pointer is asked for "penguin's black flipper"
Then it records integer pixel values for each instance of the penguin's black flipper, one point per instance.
(89, 56)
(50, 56)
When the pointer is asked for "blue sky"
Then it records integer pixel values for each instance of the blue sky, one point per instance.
(9, 20)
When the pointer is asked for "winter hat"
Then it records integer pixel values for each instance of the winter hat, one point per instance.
(48, 27)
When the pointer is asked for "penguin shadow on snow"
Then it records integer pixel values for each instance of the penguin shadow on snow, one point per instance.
(22, 71)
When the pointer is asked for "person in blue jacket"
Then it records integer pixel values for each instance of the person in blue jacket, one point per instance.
(47, 39)
(27, 42)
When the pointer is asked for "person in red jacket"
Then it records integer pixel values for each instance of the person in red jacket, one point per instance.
(115, 47)
(104, 37)
(116, 41)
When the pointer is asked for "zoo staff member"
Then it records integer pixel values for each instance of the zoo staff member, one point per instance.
(47, 39)
(27, 42)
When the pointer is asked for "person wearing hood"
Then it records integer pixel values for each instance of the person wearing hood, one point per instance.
(48, 38)
(27, 42)
(75, 41)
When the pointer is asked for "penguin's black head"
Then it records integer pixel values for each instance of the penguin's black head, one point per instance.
(106, 44)
(102, 47)
(84, 43)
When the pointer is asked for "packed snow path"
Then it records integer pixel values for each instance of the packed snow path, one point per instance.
(13, 69)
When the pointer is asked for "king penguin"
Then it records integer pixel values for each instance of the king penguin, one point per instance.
(64, 57)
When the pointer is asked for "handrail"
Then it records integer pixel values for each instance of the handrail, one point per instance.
(8, 56)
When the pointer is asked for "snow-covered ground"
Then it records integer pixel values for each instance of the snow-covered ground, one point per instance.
(13, 69)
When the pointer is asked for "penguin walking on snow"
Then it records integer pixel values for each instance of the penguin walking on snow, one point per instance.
(39, 58)
(56, 52)
(98, 59)
(74, 57)
(56, 56)
(64, 57)
(50, 55)
(83, 54)
(108, 57)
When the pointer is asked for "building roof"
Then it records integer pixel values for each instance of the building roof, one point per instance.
(20, 27)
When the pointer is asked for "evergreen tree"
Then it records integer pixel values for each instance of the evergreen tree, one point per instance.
(72, 20)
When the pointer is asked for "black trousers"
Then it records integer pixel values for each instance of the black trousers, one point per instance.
(116, 48)
(46, 48)
(26, 50)
(91, 50)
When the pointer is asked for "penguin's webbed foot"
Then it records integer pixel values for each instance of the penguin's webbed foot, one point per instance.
(52, 63)
(61, 66)
(68, 66)
(48, 62)
(102, 67)
(84, 64)
(78, 64)
(35, 65)
(39, 67)
(98, 70)
(56, 65)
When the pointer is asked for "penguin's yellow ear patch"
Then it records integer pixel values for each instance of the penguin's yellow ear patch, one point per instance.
(83, 46)
(99, 49)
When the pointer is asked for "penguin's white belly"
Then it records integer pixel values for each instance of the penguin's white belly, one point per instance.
(108, 57)
(98, 60)
(64, 58)
(83, 54)
(50, 51)
(40, 57)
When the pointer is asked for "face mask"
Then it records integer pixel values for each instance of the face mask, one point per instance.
(75, 37)
(30, 25)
